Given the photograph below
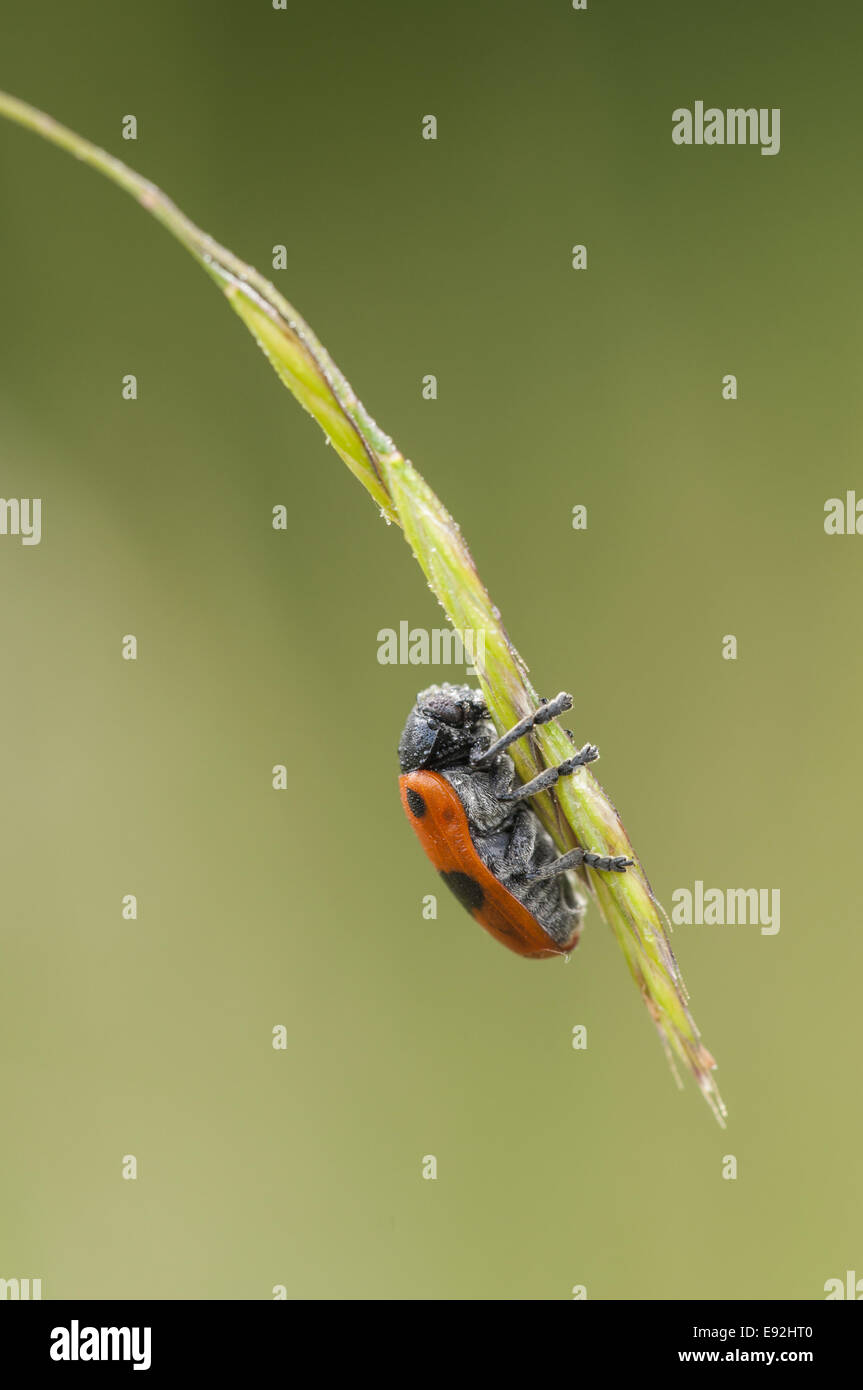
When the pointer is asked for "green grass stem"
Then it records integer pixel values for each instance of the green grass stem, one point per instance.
(578, 811)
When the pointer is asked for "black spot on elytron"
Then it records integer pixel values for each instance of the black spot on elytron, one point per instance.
(466, 889)
(416, 803)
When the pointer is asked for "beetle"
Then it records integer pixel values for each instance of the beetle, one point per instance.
(473, 817)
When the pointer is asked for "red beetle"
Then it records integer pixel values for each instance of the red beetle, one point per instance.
(472, 816)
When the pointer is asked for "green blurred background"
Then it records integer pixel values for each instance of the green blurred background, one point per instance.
(405, 1037)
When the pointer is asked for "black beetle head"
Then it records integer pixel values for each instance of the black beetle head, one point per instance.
(444, 727)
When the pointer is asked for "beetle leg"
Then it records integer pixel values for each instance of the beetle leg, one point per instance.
(502, 779)
(617, 863)
(548, 710)
(522, 841)
(588, 754)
